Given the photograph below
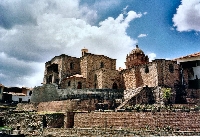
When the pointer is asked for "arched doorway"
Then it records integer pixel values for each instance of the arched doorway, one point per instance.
(71, 65)
(79, 85)
(102, 65)
(114, 86)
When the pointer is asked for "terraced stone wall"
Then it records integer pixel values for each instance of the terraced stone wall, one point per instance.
(64, 106)
(184, 121)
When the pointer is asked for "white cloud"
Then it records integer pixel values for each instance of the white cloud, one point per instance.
(19, 72)
(168, 58)
(142, 35)
(145, 13)
(187, 16)
(33, 79)
(197, 34)
(172, 28)
(124, 11)
(102, 5)
(2, 76)
(151, 56)
(62, 27)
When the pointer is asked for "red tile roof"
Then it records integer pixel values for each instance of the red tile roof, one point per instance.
(189, 56)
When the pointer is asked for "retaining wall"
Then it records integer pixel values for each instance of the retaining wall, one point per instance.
(63, 106)
(35, 124)
(51, 92)
(185, 121)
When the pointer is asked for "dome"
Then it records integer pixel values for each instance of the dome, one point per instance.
(137, 50)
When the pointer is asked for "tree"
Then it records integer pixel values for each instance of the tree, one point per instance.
(166, 95)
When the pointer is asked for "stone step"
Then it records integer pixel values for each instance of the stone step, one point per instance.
(130, 94)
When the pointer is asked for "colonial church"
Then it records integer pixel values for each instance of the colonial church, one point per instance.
(99, 72)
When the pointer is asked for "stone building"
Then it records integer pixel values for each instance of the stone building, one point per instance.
(99, 72)
(159, 72)
(92, 71)
(15, 94)
(61, 67)
(88, 71)
(140, 72)
(190, 66)
(190, 76)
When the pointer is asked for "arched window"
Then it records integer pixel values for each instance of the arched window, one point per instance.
(146, 69)
(71, 65)
(114, 86)
(79, 85)
(69, 83)
(171, 68)
(102, 65)
(83, 53)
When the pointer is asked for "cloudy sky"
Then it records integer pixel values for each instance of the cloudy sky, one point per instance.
(33, 32)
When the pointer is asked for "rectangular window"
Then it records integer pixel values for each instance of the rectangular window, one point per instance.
(194, 84)
(71, 65)
(189, 64)
(20, 100)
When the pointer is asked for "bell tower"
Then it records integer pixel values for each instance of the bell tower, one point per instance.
(136, 57)
(84, 50)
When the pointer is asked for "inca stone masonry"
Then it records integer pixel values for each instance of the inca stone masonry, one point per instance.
(94, 72)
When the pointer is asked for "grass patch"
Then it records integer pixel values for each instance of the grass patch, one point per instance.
(5, 128)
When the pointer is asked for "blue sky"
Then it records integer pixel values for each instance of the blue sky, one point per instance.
(33, 32)
(162, 37)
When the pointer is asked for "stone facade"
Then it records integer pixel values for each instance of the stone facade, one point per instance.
(155, 73)
(99, 72)
(79, 73)
(91, 63)
(106, 78)
(60, 67)
(73, 82)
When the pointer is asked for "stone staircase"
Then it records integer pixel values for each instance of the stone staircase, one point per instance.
(129, 94)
